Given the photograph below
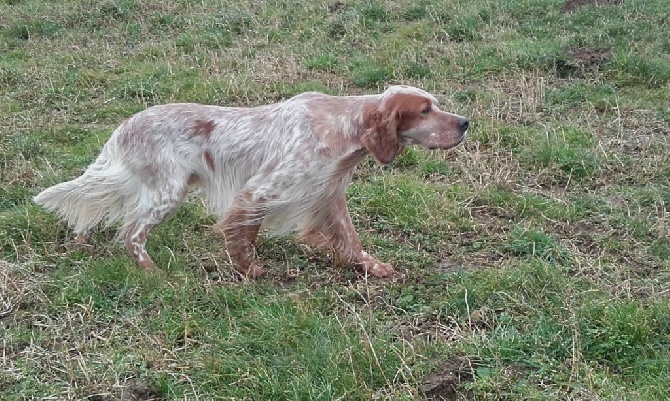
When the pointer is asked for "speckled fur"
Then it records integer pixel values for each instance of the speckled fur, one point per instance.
(285, 166)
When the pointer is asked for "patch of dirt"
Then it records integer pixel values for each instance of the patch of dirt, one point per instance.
(582, 234)
(578, 60)
(587, 57)
(572, 5)
(132, 389)
(336, 7)
(446, 382)
(136, 390)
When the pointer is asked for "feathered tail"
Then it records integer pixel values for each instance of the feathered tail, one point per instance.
(104, 192)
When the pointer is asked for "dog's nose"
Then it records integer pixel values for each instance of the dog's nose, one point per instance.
(463, 124)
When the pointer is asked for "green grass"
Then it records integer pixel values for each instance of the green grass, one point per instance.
(535, 257)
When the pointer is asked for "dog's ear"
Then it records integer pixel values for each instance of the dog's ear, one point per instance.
(380, 137)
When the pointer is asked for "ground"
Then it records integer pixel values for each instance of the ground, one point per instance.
(533, 258)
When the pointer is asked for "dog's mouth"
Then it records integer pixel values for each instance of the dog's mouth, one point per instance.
(405, 140)
(432, 141)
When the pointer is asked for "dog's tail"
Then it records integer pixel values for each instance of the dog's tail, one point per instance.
(101, 193)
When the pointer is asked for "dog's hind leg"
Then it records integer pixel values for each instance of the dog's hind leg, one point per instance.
(82, 237)
(81, 241)
(153, 208)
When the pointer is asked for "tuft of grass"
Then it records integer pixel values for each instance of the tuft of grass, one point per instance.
(635, 68)
(373, 12)
(571, 153)
(122, 10)
(209, 39)
(322, 62)
(463, 29)
(536, 243)
(367, 73)
(393, 204)
(415, 12)
(27, 29)
(617, 334)
(435, 167)
(661, 248)
(417, 70)
(237, 22)
(168, 20)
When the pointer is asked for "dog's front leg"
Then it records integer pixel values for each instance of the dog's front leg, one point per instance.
(337, 232)
(240, 230)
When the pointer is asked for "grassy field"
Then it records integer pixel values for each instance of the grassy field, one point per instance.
(535, 257)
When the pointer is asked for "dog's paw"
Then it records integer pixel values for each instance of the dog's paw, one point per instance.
(253, 271)
(381, 270)
(375, 268)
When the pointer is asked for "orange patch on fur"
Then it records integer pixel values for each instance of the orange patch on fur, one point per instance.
(193, 180)
(408, 108)
(381, 137)
(203, 128)
(209, 160)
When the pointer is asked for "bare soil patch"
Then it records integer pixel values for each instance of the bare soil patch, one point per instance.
(577, 60)
(446, 382)
(588, 57)
(335, 7)
(137, 390)
(132, 390)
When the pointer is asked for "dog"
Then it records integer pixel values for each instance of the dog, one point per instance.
(283, 166)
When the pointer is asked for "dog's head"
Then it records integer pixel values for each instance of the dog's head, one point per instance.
(409, 116)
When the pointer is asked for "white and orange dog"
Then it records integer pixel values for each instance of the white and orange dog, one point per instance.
(285, 166)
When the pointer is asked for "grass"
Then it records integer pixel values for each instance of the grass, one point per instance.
(535, 256)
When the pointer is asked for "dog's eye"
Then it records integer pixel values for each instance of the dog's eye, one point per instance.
(426, 109)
